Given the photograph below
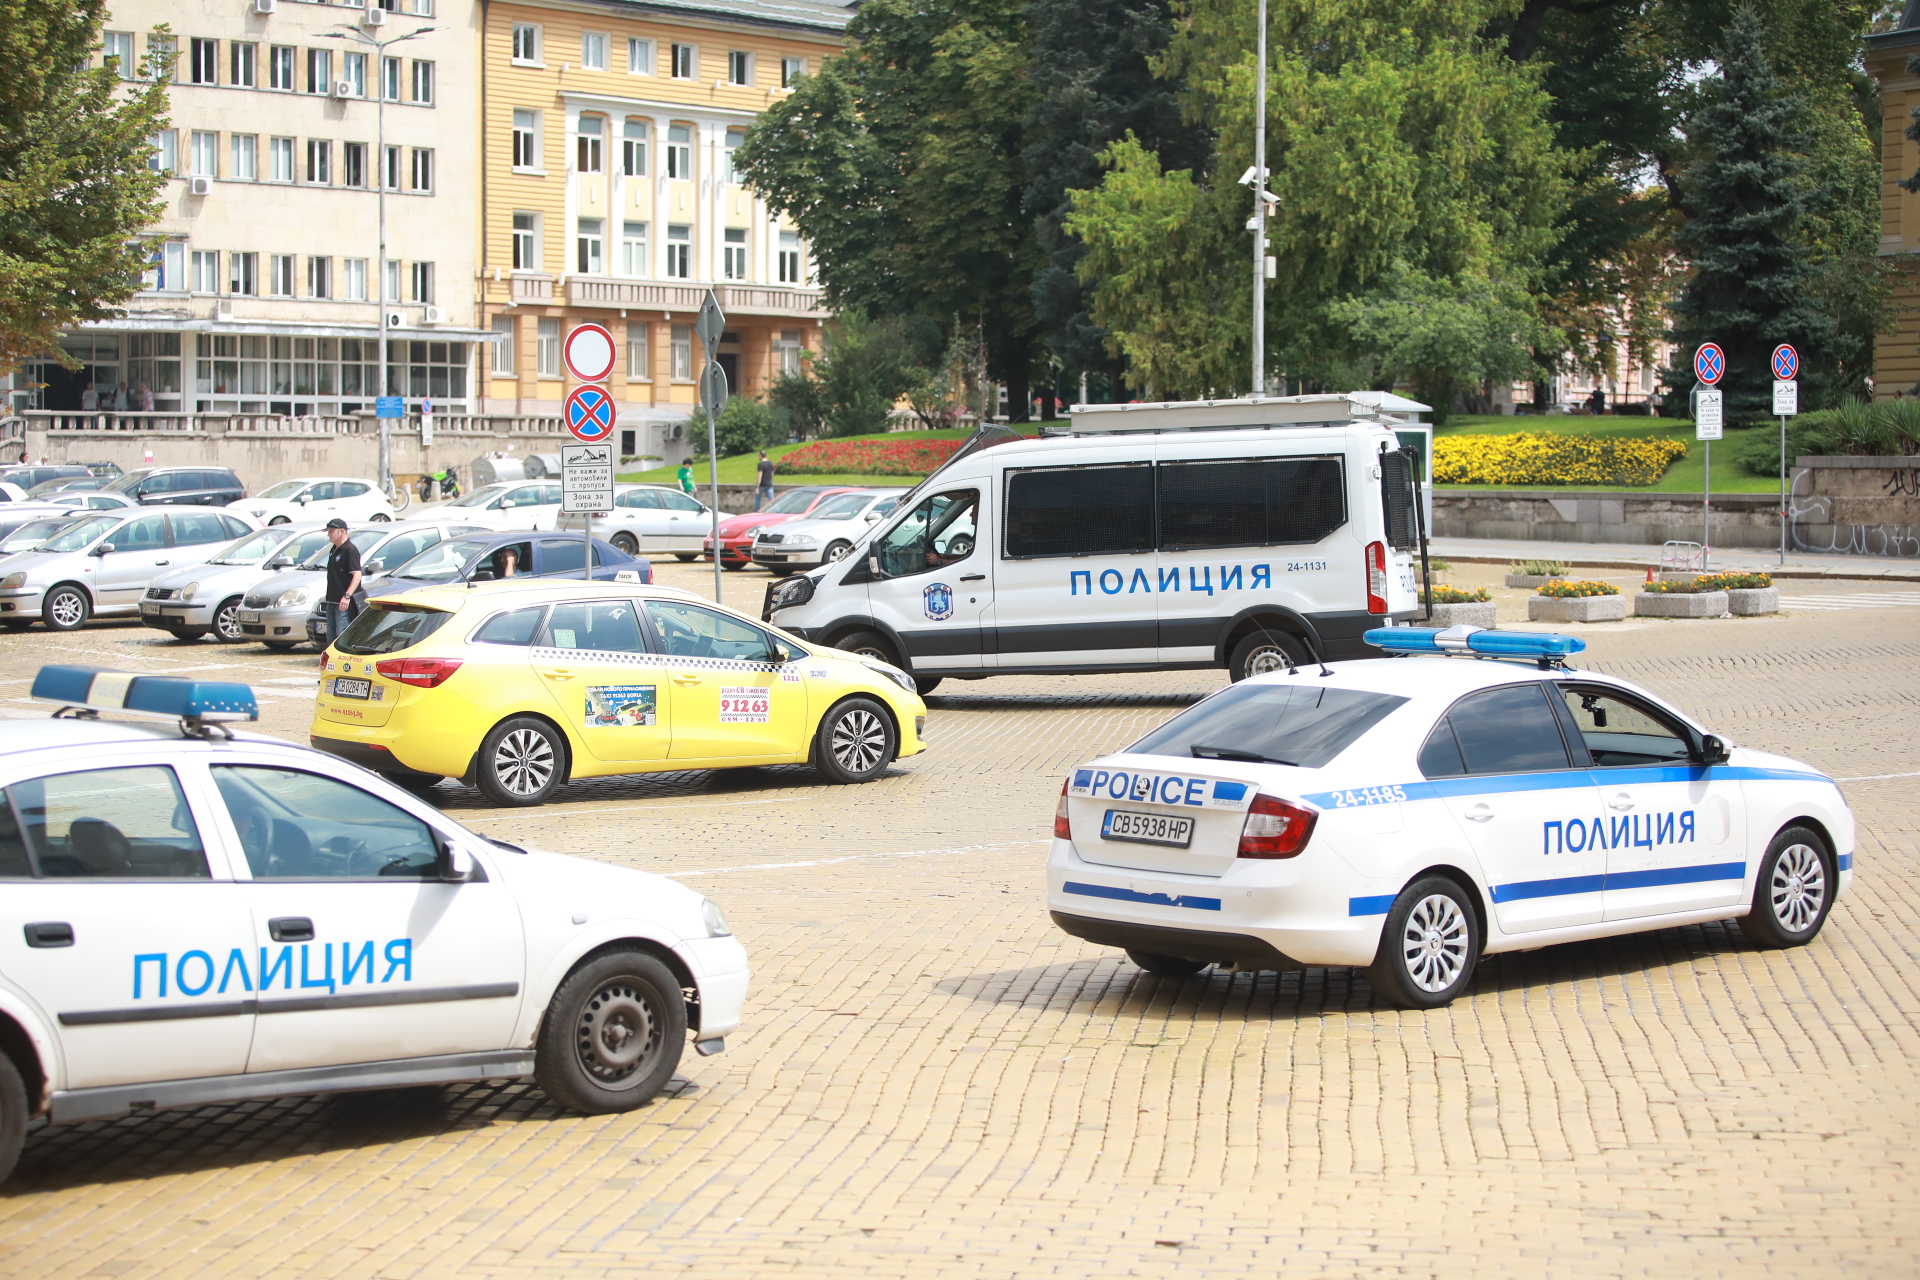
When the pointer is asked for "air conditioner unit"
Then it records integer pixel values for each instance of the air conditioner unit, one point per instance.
(434, 315)
(263, 6)
(199, 186)
(396, 319)
(222, 310)
(375, 16)
(343, 88)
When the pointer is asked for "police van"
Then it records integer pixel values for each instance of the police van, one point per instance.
(1247, 534)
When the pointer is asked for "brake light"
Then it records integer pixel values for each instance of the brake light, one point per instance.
(1376, 577)
(1061, 829)
(421, 673)
(1276, 829)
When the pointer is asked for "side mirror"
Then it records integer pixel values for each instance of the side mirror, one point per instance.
(482, 575)
(374, 566)
(873, 517)
(104, 549)
(455, 863)
(873, 564)
(779, 653)
(1713, 750)
(304, 499)
(507, 504)
(280, 562)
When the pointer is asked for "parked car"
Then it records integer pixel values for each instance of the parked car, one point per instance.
(737, 532)
(510, 504)
(180, 486)
(651, 517)
(68, 484)
(84, 500)
(274, 611)
(318, 498)
(196, 600)
(28, 475)
(101, 564)
(13, 493)
(105, 470)
(824, 536)
(25, 525)
(483, 557)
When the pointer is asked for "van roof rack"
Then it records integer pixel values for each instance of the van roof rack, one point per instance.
(1246, 412)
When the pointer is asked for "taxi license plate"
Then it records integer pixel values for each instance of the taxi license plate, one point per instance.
(1147, 828)
(345, 688)
(248, 615)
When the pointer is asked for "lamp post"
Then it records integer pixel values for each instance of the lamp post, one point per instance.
(1258, 225)
(358, 35)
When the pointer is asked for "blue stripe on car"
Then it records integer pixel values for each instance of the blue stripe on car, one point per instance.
(1374, 906)
(1846, 862)
(1561, 886)
(1561, 779)
(1152, 899)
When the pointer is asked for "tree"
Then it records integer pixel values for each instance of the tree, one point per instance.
(867, 366)
(75, 186)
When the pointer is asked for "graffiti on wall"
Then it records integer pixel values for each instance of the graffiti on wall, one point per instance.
(1810, 521)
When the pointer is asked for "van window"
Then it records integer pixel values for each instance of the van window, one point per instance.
(1250, 502)
(936, 533)
(1081, 511)
(1397, 500)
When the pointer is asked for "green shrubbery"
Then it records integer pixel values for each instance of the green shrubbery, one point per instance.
(1891, 429)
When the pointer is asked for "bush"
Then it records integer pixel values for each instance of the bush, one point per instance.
(1529, 458)
(1890, 429)
(1758, 450)
(1578, 590)
(744, 426)
(1444, 594)
(1538, 568)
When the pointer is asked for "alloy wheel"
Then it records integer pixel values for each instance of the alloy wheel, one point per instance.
(859, 741)
(1434, 942)
(1798, 888)
(524, 762)
(226, 623)
(618, 1033)
(68, 610)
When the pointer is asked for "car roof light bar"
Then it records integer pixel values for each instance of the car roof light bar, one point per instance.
(196, 704)
(1545, 648)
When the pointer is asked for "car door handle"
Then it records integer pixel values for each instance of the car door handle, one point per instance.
(53, 933)
(558, 675)
(1479, 813)
(162, 562)
(687, 679)
(1622, 802)
(973, 577)
(290, 929)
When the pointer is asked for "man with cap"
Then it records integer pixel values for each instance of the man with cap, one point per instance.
(343, 579)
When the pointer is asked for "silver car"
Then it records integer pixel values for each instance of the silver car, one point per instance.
(205, 598)
(824, 535)
(275, 611)
(101, 564)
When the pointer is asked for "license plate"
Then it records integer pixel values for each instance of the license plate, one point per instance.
(249, 616)
(1147, 828)
(149, 610)
(345, 688)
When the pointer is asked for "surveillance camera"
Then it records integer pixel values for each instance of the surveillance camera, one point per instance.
(1253, 173)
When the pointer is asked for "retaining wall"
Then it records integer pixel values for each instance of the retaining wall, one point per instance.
(1856, 506)
(1572, 515)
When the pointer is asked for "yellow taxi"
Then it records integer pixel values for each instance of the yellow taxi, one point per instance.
(516, 687)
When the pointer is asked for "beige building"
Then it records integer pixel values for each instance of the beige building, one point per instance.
(1896, 355)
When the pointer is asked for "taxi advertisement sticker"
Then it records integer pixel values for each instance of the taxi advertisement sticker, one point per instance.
(744, 704)
(620, 706)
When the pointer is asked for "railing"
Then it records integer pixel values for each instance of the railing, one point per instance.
(13, 429)
(744, 299)
(264, 424)
(734, 299)
(57, 420)
(531, 288)
(13, 434)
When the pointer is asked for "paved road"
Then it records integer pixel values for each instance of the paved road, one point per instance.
(933, 1082)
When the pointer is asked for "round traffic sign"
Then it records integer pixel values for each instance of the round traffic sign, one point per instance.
(713, 387)
(589, 352)
(1709, 363)
(1786, 362)
(589, 414)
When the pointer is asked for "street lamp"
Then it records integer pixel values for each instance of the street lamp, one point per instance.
(1256, 179)
(356, 34)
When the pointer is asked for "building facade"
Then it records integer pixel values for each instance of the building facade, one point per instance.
(1896, 355)
(608, 195)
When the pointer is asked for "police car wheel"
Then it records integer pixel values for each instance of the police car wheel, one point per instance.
(626, 542)
(226, 622)
(13, 1116)
(65, 609)
(855, 742)
(613, 1034)
(1167, 966)
(1428, 948)
(1793, 892)
(1261, 652)
(522, 762)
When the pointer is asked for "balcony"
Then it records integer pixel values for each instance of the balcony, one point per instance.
(532, 290)
(656, 295)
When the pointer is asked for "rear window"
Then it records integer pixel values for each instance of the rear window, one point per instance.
(1083, 511)
(389, 628)
(1299, 724)
(1250, 502)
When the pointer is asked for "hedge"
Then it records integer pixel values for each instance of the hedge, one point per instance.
(1540, 458)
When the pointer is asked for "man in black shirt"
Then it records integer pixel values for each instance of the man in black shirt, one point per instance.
(764, 498)
(343, 579)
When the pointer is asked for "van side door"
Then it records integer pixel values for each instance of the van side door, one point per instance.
(1077, 576)
(930, 580)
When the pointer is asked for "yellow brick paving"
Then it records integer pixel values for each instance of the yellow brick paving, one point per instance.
(933, 1082)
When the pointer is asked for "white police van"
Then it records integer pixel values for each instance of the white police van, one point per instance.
(192, 916)
(1410, 816)
(1234, 533)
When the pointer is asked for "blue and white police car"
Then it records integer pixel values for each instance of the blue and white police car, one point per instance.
(192, 915)
(1411, 816)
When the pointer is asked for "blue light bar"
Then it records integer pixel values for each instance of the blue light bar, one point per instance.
(1524, 644)
(167, 697)
(1499, 644)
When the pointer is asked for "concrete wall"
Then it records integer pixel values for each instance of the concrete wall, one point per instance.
(1856, 506)
(1739, 519)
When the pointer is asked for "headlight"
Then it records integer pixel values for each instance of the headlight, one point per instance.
(13, 580)
(714, 918)
(894, 674)
(793, 591)
(803, 541)
(292, 596)
(186, 592)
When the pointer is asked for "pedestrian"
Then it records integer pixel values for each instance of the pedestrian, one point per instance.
(686, 476)
(343, 579)
(120, 397)
(89, 398)
(1597, 404)
(146, 398)
(764, 498)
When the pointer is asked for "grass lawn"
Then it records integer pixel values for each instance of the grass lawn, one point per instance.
(739, 469)
(1684, 476)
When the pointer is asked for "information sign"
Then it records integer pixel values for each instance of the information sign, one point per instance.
(589, 352)
(390, 406)
(1786, 397)
(586, 478)
(1706, 415)
(589, 414)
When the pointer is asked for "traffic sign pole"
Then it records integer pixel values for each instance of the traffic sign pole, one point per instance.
(710, 324)
(1709, 366)
(1786, 402)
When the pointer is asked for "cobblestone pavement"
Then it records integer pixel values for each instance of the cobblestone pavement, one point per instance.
(932, 1081)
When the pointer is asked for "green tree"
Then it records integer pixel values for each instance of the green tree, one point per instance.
(794, 400)
(75, 186)
(743, 426)
(867, 365)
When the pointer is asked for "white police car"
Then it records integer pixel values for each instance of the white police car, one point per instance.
(191, 916)
(1413, 815)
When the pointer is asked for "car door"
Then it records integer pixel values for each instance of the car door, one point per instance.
(1501, 762)
(364, 953)
(930, 580)
(1675, 829)
(640, 513)
(319, 501)
(519, 507)
(689, 523)
(727, 697)
(140, 554)
(196, 535)
(356, 500)
(115, 920)
(606, 685)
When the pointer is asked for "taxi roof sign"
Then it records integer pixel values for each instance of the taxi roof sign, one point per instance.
(1545, 648)
(196, 702)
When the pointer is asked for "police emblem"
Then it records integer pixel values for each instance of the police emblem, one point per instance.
(939, 601)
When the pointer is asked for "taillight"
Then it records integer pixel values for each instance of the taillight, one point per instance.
(1376, 577)
(422, 673)
(1275, 829)
(1061, 829)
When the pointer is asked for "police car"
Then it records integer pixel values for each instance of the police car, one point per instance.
(197, 916)
(1411, 816)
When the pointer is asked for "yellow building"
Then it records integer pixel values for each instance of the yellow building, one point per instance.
(1896, 355)
(607, 194)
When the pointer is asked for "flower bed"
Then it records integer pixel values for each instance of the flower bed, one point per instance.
(1706, 583)
(904, 457)
(1530, 458)
(1444, 594)
(1563, 590)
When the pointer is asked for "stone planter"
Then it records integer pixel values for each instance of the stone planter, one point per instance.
(1687, 576)
(1476, 614)
(1577, 609)
(1751, 602)
(1679, 604)
(1530, 579)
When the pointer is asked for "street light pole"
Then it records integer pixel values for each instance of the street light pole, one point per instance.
(1260, 210)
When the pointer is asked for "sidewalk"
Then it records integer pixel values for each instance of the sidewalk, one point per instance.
(1604, 555)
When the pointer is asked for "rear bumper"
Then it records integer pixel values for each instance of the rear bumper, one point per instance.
(1241, 950)
(367, 755)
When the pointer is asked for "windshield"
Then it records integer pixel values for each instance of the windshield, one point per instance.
(251, 549)
(285, 489)
(445, 562)
(844, 507)
(480, 497)
(793, 501)
(32, 534)
(389, 628)
(1299, 724)
(77, 536)
(127, 482)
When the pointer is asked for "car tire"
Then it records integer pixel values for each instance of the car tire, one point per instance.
(685, 557)
(280, 646)
(522, 762)
(612, 1035)
(743, 564)
(226, 622)
(1428, 947)
(835, 552)
(1167, 966)
(924, 685)
(187, 633)
(870, 644)
(66, 608)
(278, 520)
(1265, 651)
(380, 517)
(13, 1116)
(1793, 892)
(625, 542)
(855, 742)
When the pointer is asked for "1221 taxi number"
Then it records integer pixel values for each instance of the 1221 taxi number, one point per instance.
(744, 705)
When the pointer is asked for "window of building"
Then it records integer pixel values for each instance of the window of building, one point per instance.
(319, 71)
(392, 291)
(422, 82)
(503, 348)
(280, 275)
(789, 272)
(319, 277)
(280, 67)
(526, 138)
(526, 43)
(547, 347)
(243, 274)
(353, 164)
(588, 241)
(526, 245)
(203, 61)
(633, 249)
(679, 252)
(639, 362)
(353, 279)
(423, 282)
(422, 172)
(686, 61)
(243, 155)
(166, 152)
(680, 353)
(639, 57)
(791, 69)
(736, 139)
(280, 159)
(117, 47)
(390, 79)
(593, 51)
(390, 175)
(587, 153)
(633, 148)
(739, 67)
(241, 56)
(680, 151)
(319, 162)
(786, 351)
(161, 54)
(353, 73)
(733, 254)
(203, 271)
(203, 154)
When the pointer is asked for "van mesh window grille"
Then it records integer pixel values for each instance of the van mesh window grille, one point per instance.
(1084, 511)
(1397, 500)
(1250, 502)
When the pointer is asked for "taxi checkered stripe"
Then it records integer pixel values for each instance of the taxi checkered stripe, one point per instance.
(621, 658)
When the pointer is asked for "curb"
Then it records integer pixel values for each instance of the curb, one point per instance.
(1814, 574)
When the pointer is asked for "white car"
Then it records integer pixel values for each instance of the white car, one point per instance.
(101, 563)
(205, 598)
(317, 498)
(88, 500)
(506, 506)
(1410, 816)
(651, 517)
(195, 917)
(826, 535)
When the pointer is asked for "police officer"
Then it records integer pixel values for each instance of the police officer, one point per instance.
(343, 579)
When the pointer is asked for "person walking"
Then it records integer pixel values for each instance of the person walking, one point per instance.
(686, 476)
(764, 498)
(343, 579)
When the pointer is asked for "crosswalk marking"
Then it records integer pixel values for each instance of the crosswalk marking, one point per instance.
(1857, 600)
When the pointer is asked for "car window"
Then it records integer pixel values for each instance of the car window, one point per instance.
(885, 508)
(363, 541)
(235, 526)
(160, 482)
(302, 826)
(442, 562)
(1250, 502)
(793, 502)
(680, 502)
(195, 528)
(646, 498)
(509, 560)
(1299, 724)
(1079, 511)
(936, 533)
(110, 823)
(323, 492)
(353, 489)
(388, 628)
(562, 555)
(516, 628)
(1510, 730)
(549, 495)
(691, 631)
(128, 483)
(142, 533)
(844, 507)
(255, 548)
(1622, 733)
(14, 863)
(35, 532)
(285, 489)
(610, 626)
(525, 496)
(305, 545)
(404, 546)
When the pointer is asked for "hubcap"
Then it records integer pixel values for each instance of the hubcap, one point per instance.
(524, 762)
(68, 609)
(1799, 888)
(618, 1033)
(838, 551)
(1434, 942)
(859, 741)
(1267, 658)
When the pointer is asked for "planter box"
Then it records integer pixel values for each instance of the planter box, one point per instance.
(1751, 602)
(1477, 614)
(1578, 609)
(1686, 575)
(1531, 579)
(1680, 604)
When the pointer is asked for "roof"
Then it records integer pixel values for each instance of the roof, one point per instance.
(451, 596)
(1906, 32)
(817, 15)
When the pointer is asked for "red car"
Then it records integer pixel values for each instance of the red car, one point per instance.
(736, 532)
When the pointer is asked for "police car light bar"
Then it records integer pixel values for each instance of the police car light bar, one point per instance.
(163, 697)
(1536, 646)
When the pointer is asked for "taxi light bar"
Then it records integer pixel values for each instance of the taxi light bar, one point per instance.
(421, 673)
(162, 697)
(1276, 828)
(1540, 646)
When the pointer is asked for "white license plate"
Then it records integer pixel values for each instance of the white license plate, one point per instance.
(247, 615)
(149, 610)
(345, 688)
(1147, 828)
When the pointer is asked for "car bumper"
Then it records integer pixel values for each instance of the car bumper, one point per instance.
(786, 559)
(274, 624)
(721, 974)
(169, 614)
(21, 602)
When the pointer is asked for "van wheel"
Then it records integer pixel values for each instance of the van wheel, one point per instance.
(855, 742)
(1167, 966)
(924, 685)
(13, 1116)
(869, 644)
(66, 608)
(1793, 892)
(522, 762)
(1428, 948)
(1264, 651)
(613, 1034)
(626, 542)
